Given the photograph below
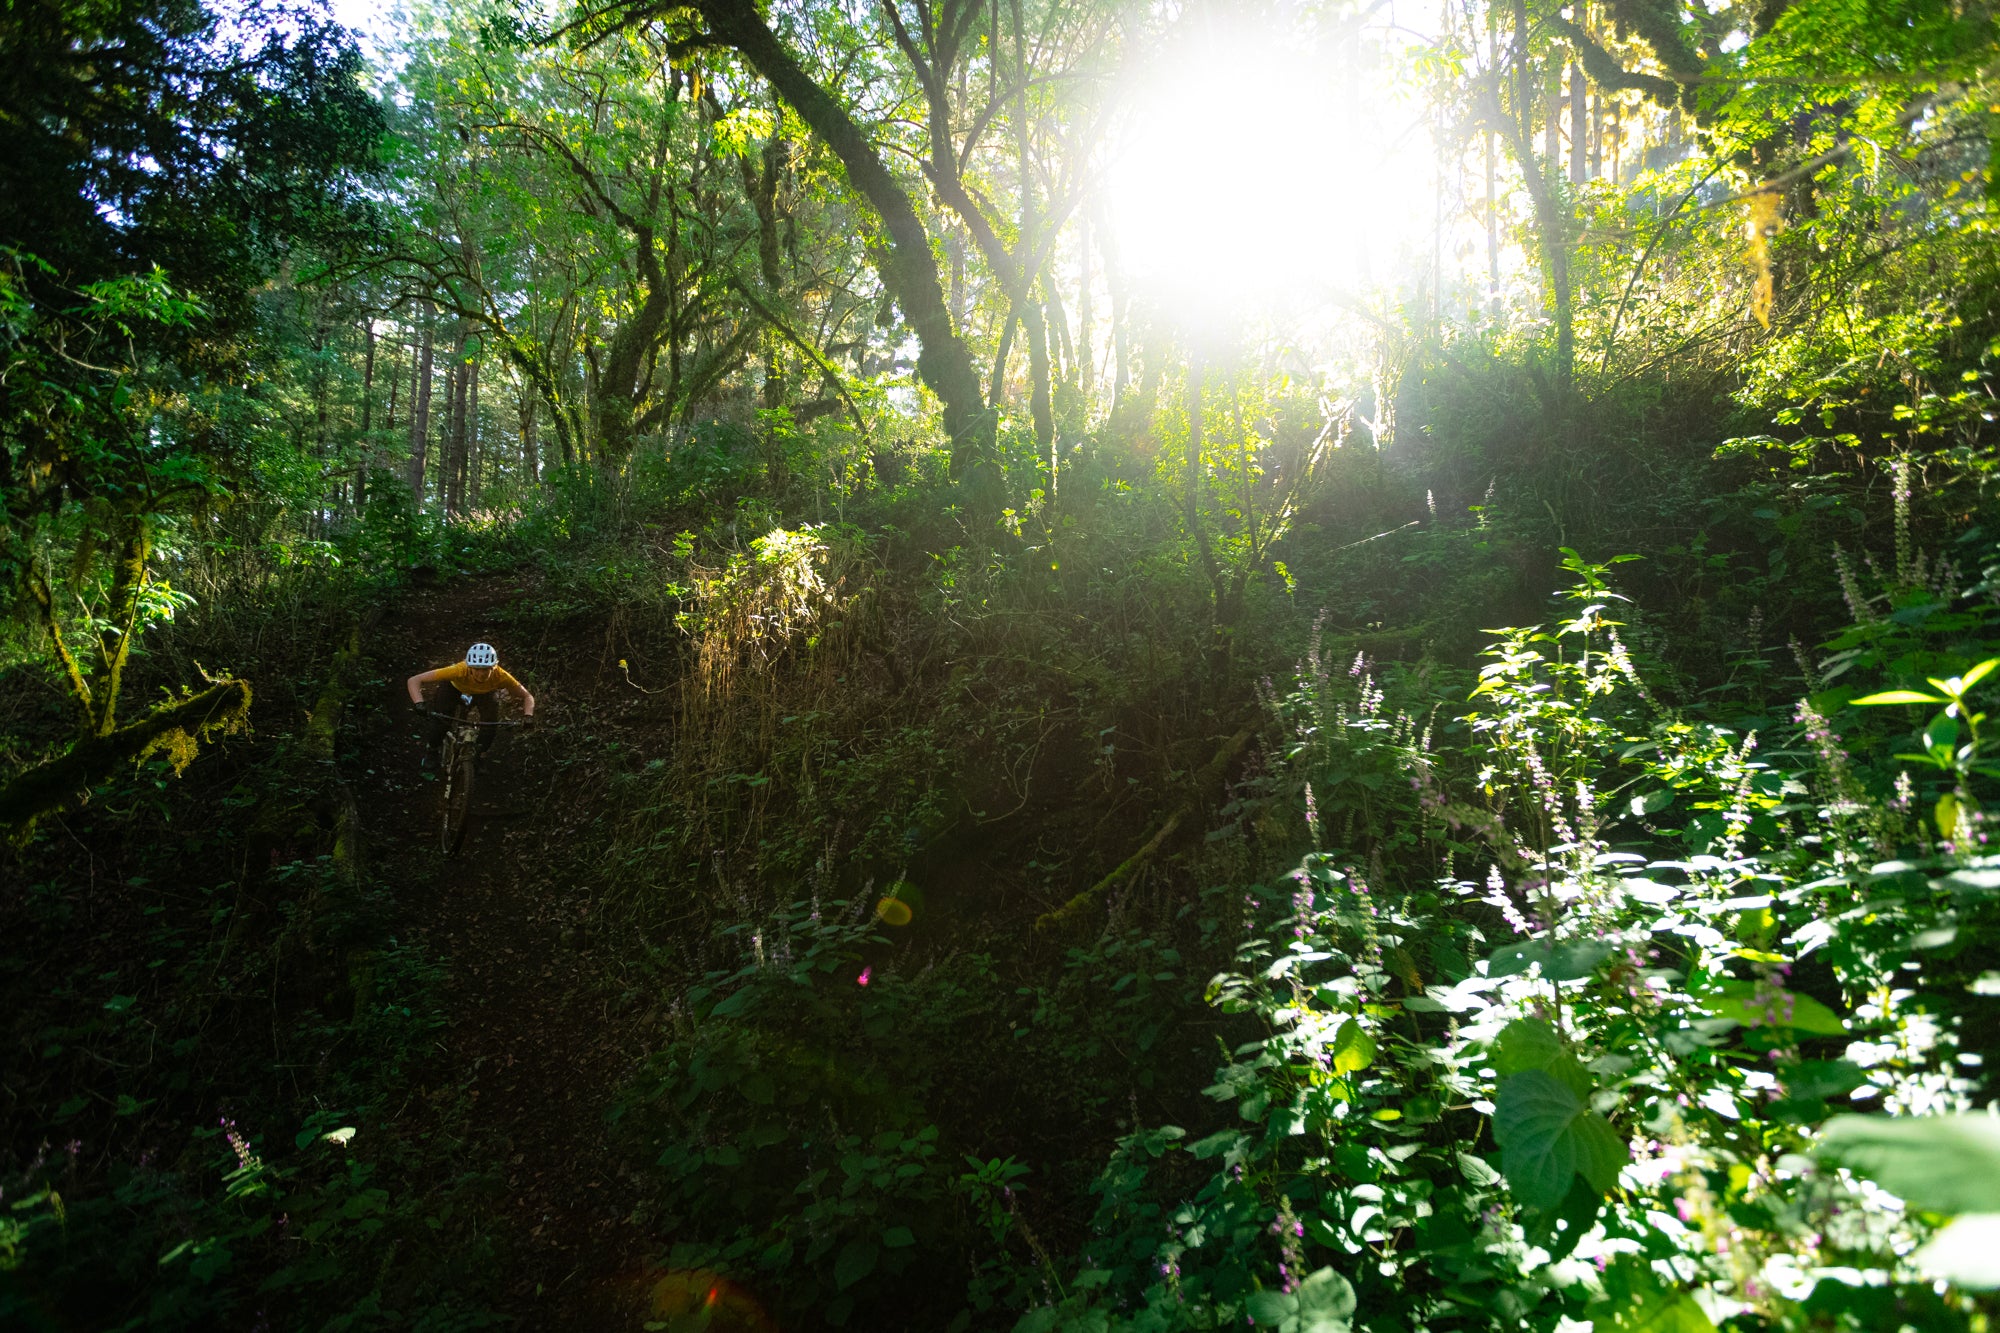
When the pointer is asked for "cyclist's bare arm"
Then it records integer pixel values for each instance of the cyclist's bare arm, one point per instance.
(417, 682)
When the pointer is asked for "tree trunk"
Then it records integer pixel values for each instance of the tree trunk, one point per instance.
(1193, 490)
(530, 464)
(1086, 359)
(452, 480)
(1552, 221)
(908, 268)
(472, 432)
(1121, 319)
(1492, 234)
(1040, 407)
(395, 382)
(1579, 113)
(367, 449)
(420, 403)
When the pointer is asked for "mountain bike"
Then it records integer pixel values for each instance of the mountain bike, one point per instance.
(458, 761)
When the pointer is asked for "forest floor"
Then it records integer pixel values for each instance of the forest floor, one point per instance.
(537, 1036)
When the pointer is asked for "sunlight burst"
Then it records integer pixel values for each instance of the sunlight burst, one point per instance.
(1256, 172)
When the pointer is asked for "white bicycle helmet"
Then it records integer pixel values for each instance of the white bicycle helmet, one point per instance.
(481, 655)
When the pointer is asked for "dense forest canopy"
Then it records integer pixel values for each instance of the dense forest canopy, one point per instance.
(1312, 664)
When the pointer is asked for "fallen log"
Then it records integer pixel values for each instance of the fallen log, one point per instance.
(1210, 774)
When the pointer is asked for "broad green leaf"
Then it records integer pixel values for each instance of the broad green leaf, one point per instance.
(1771, 1007)
(1966, 1252)
(1899, 697)
(856, 1261)
(1326, 1303)
(1268, 1309)
(1353, 1048)
(1652, 802)
(898, 1238)
(1524, 1044)
(1823, 1078)
(1977, 674)
(1565, 961)
(1576, 959)
(1530, 1043)
(1513, 959)
(1548, 1135)
(1941, 1163)
(1659, 1312)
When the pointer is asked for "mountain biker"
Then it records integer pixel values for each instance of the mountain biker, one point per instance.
(479, 677)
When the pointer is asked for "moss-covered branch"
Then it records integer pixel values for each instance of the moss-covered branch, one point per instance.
(176, 728)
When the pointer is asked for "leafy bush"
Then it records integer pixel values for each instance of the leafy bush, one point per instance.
(1580, 1076)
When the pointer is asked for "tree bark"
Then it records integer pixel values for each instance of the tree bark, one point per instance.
(115, 642)
(366, 449)
(1086, 360)
(908, 268)
(451, 443)
(1579, 92)
(420, 403)
(472, 431)
(1552, 221)
(530, 464)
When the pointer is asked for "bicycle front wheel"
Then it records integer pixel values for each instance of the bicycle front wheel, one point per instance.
(459, 761)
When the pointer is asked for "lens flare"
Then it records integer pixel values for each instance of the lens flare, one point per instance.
(900, 905)
(691, 1299)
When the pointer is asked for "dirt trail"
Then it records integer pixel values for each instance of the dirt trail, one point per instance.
(531, 1021)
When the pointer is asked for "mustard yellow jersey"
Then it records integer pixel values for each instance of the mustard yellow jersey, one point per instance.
(468, 679)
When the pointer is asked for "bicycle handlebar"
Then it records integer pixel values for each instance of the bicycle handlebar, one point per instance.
(471, 722)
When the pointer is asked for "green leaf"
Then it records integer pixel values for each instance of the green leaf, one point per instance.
(1658, 1312)
(1548, 1135)
(1819, 1079)
(1652, 802)
(1946, 815)
(1771, 1006)
(1477, 1171)
(1513, 959)
(1566, 961)
(1899, 697)
(1268, 1309)
(1524, 1044)
(1966, 1252)
(1576, 959)
(856, 1261)
(1530, 1043)
(1353, 1048)
(1326, 1302)
(1941, 1163)
(1977, 674)
(898, 1238)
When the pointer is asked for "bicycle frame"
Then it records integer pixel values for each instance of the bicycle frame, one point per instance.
(459, 762)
